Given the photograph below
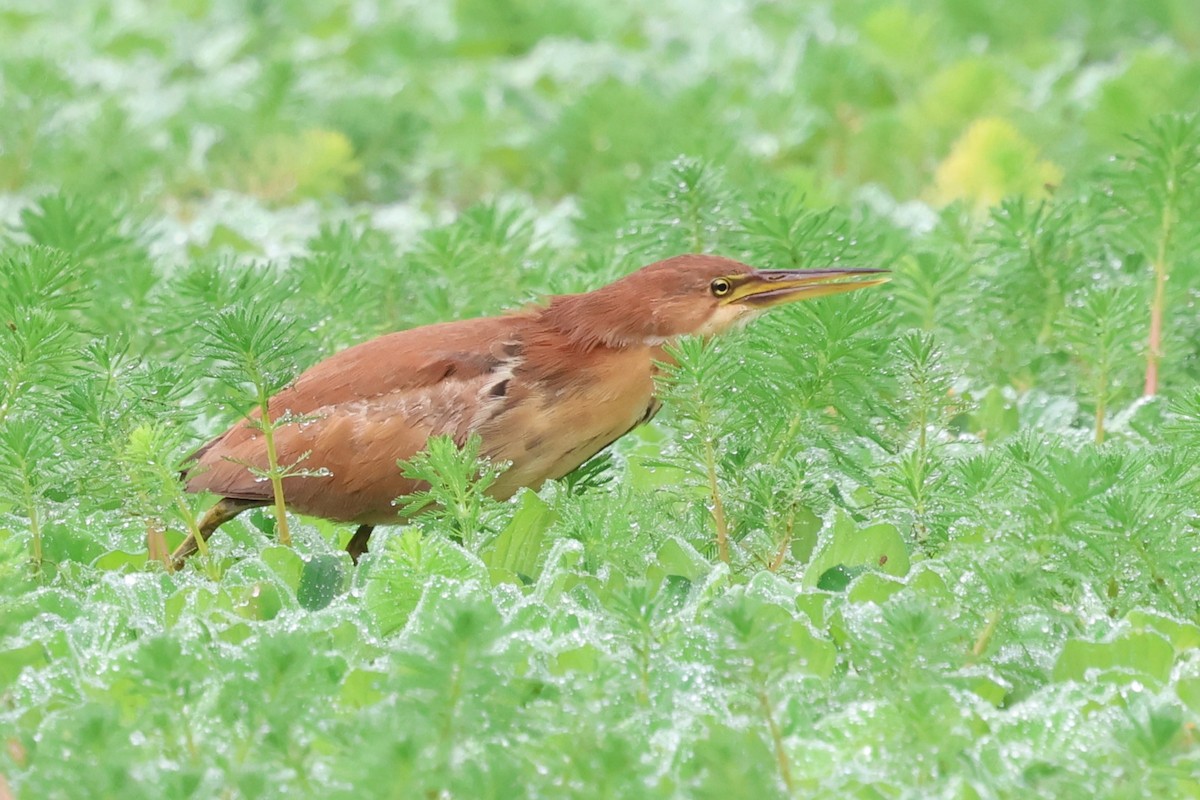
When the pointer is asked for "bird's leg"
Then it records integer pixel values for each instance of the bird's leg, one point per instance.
(358, 543)
(226, 509)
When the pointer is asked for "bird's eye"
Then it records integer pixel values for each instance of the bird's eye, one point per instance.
(720, 287)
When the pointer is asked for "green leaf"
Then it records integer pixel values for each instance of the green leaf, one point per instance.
(677, 557)
(321, 581)
(408, 561)
(812, 605)
(873, 587)
(284, 562)
(63, 543)
(360, 689)
(518, 547)
(1188, 690)
(262, 600)
(1183, 636)
(817, 656)
(458, 479)
(1146, 656)
(120, 561)
(878, 547)
(583, 659)
(196, 602)
(806, 529)
(837, 578)
(14, 660)
(253, 345)
(988, 687)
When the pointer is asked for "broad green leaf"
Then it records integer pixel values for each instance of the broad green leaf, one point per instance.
(1183, 636)
(680, 558)
(873, 587)
(197, 601)
(400, 575)
(817, 656)
(928, 583)
(63, 543)
(838, 577)
(1188, 690)
(236, 633)
(989, 688)
(119, 560)
(16, 659)
(321, 581)
(812, 605)
(262, 600)
(878, 547)
(585, 658)
(806, 529)
(1146, 655)
(360, 689)
(285, 562)
(519, 546)
(559, 573)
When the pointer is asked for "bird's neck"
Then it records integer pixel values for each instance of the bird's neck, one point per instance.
(602, 319)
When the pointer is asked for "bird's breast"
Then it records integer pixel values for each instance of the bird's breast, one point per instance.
(557, 416)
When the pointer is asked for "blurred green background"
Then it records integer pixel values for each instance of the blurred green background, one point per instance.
(964, 534)
(440, 104)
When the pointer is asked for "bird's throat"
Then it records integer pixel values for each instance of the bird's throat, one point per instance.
(726, 318)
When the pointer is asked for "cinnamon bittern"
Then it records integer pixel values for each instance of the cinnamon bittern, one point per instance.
(545, 387)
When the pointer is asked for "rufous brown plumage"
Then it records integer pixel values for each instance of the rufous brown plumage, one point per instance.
(545, 387)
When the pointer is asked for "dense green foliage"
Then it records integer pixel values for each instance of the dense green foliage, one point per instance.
(963, 554)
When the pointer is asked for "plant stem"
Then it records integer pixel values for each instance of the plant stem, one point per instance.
(193, 529)
(785, 767)
(792, 430)
(35, 526)
(784, 543)
(156, 545)
(1101, 405)
(718, 507)
(268, 429)
(985, 636)
(1159, 301)
(1050, 292)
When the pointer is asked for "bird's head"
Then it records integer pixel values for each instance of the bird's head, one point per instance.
(695, 295)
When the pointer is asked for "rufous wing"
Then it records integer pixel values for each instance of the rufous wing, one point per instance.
(361, 410)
